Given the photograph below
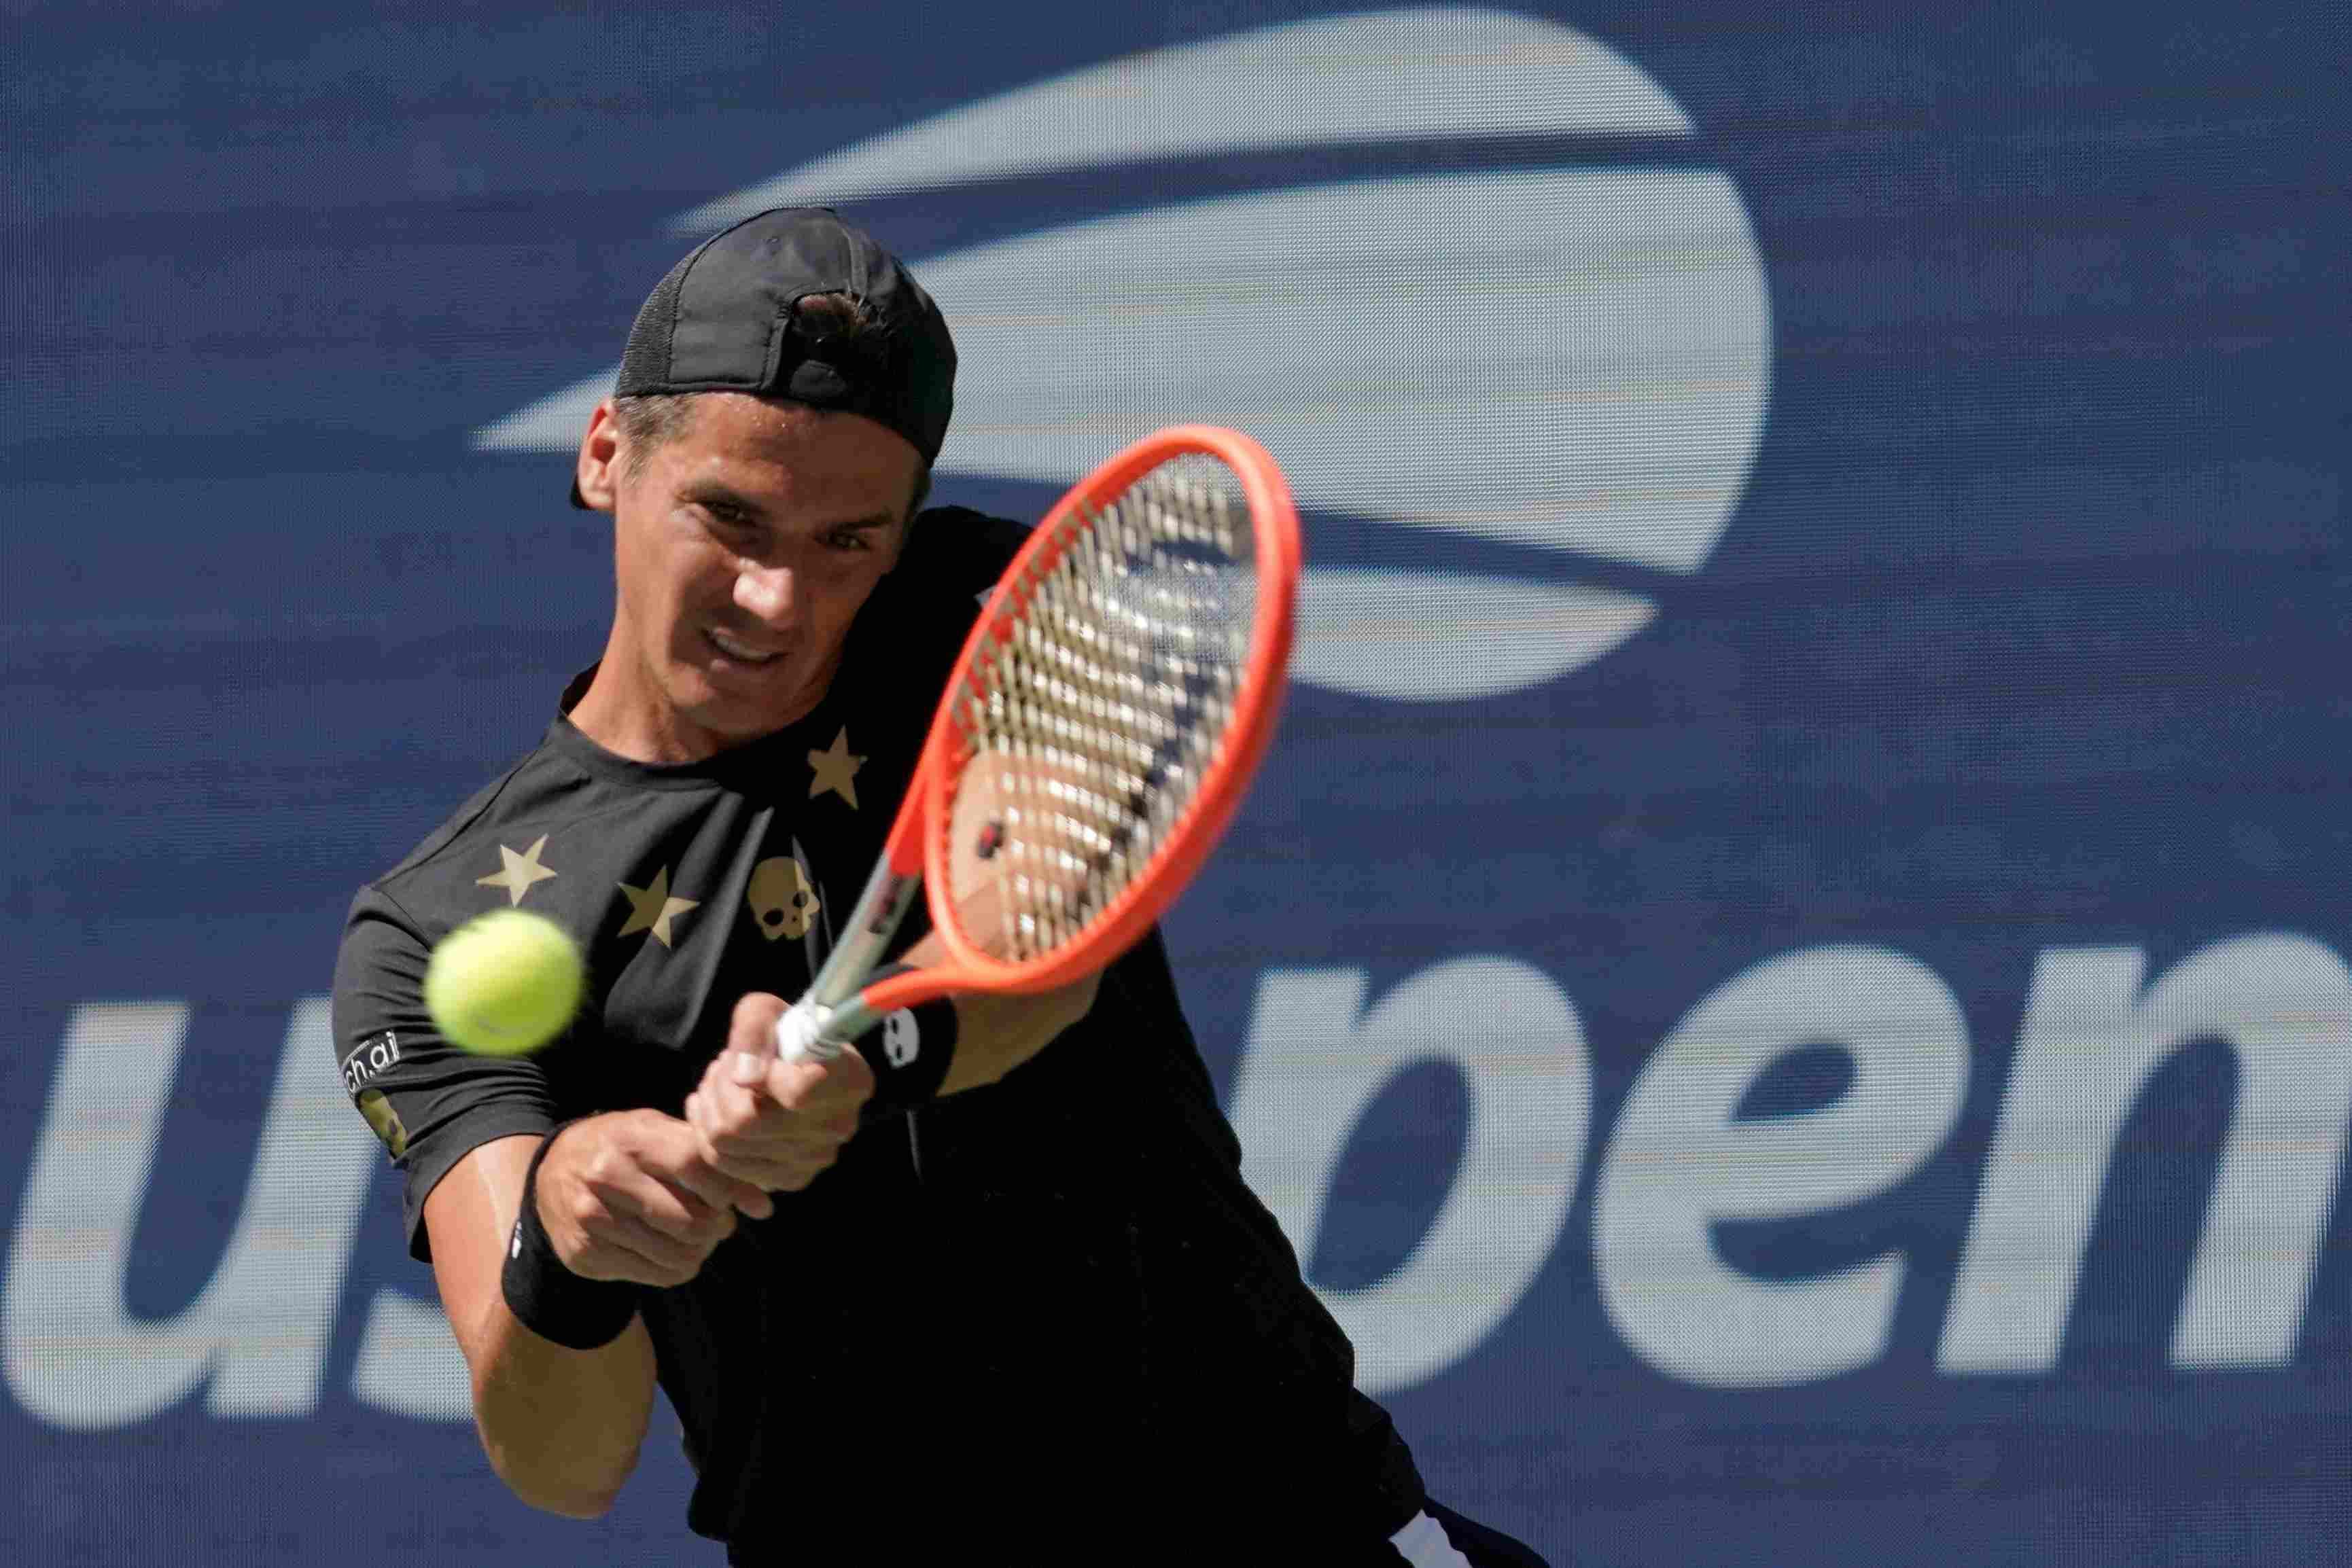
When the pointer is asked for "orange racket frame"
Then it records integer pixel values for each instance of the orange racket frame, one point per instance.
(838, 1007)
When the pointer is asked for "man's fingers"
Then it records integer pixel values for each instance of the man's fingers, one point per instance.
(635, 1196)
(721, 1110)
(753, 1168)
(705, 1171)
(786, 1174)
(752, 1037)
(675, 1209)
(666, 1252)
(731, 1120)
(777, 1135)
(822, 1089)
(708, 1179)
(795, 1100)
(631, 1250)
(617, 1241)
(651, 1198)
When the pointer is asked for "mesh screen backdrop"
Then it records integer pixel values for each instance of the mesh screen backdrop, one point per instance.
(1786, 973)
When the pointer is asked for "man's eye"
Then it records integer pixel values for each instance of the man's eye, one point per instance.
(849, 539)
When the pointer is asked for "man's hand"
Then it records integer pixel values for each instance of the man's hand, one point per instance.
(774, 1125)
(631, 1196)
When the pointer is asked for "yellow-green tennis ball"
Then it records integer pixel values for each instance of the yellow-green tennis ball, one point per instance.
(504, 983)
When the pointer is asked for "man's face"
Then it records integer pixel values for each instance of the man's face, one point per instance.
(745, 548)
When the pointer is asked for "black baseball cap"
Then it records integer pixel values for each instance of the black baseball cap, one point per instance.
(726, 319)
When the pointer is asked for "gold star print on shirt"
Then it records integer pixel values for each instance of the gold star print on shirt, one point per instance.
(652, 908)
(517, 873)
(833, 768)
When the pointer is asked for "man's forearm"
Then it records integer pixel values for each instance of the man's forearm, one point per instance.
(995, 1034)
(562, 1428)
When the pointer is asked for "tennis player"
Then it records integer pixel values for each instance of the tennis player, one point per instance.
(997, 1293)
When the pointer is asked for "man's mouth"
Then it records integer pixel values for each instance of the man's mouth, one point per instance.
(738, 652)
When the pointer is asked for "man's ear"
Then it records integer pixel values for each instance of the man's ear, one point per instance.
(594, 473)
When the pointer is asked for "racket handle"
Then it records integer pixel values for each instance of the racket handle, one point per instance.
(800, 1034)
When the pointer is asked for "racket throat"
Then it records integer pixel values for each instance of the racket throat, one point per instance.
(831, 1014)
(865, 938)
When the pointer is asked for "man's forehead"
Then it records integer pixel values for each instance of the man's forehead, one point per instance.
(766, 454)
(734, 429)
(739, 416)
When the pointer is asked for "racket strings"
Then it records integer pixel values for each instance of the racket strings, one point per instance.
(1097, 717)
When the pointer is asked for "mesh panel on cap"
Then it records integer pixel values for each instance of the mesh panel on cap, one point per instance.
(645, 362)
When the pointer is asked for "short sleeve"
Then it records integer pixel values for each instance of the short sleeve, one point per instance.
(427, 1101)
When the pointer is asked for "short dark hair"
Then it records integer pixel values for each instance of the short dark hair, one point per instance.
(652, 421)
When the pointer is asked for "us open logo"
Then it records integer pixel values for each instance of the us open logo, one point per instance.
(1531, 385)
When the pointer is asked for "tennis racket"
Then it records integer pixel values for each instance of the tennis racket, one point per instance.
(1102, 723)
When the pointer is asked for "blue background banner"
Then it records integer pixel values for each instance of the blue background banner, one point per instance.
(1786, 973)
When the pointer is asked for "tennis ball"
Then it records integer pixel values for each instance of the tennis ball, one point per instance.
(504, 983)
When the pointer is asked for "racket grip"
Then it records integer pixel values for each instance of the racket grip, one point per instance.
(800, 1034)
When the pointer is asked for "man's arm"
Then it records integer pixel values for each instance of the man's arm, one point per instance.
(754, 1113)
(621, 1197)
(777, 1124)
(995, 1034)
(562, 1427)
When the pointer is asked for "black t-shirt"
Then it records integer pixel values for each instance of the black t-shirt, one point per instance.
(1017, 1317)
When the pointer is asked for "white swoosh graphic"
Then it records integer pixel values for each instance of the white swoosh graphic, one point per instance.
(1424, 72)
(1576, 360)
(1527, 371)
(1420, 636)
(1571, 359)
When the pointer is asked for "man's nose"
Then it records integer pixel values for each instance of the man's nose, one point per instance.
(767, 593)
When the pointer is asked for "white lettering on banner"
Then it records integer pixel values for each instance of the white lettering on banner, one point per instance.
(74, 1355)
(257, 1333)
(1315, 1060)
(2089, 1043)
(1678, 1162)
